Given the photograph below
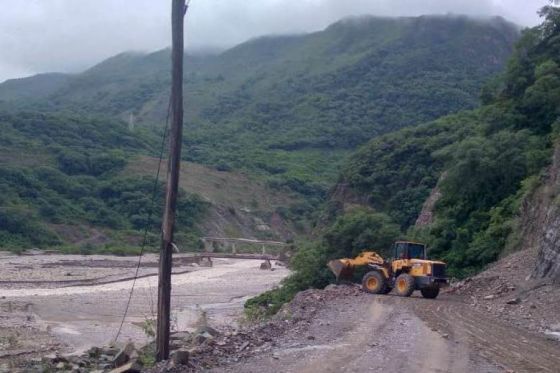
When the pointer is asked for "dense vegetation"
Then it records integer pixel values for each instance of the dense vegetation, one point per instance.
(292, 107)
(61, 172)
(487, 161)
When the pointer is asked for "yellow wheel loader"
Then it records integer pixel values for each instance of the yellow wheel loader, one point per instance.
(408, 270)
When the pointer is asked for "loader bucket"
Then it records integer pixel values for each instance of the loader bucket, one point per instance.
(341, 269)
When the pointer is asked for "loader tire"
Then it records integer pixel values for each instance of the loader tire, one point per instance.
(430, 293)
(404, 285)
(373, 282)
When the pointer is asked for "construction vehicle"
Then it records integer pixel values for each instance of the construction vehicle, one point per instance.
(408, 270)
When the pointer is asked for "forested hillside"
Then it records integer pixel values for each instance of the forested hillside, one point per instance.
(273, 116)
(492, 158)
(61, 173)
(292, 107)
(486, 164)
(86, 183)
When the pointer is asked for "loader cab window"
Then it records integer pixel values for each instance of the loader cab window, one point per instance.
(404, 250)
(400, 250)
(417, 251)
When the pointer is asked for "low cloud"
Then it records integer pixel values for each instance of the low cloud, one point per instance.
(67, 35)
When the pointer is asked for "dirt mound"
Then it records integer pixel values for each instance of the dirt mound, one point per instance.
(234, 345)
(507, 290)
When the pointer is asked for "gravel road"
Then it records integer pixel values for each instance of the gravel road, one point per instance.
(359, 332)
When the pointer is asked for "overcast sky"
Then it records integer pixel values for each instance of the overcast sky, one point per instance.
(71, 35)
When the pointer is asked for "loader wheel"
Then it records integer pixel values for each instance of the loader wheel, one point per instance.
(430, 293)
(374, 283)
(404, 285)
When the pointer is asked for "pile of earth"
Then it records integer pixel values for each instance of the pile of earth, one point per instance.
(507, 290)
(229, 346)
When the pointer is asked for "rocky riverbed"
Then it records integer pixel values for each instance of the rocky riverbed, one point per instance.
(67, 304)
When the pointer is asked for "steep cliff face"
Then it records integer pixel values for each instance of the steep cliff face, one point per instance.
(540, 223)
(548, 239)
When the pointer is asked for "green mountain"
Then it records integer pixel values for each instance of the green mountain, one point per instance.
(86, 183)
(478, 167)
(476, 179)
(37, 86)
(274, 117)
(294, 106)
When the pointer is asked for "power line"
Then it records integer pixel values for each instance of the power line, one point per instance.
(147, 225)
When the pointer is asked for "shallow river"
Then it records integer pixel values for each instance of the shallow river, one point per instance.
(83, 316)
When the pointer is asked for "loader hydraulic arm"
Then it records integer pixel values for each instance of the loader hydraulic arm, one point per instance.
(344, 268)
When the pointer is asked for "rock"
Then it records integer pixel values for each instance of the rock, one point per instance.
(94, 352)
(183, 336)
(123, 356)
(310, 337)
(514, 301)
(180, 357)
(60, 365)
(131, 367)
(243, 346)
(54, 358)
(203, 337)
(266, 265)
(111, 351)
(489, 297)
(207, 329)
(553, 336)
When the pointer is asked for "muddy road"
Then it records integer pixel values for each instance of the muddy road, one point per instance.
(349, 331)
(67, 304)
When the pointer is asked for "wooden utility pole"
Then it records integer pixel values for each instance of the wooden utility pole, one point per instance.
(178, 10)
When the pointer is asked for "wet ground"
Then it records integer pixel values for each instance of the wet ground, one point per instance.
(344, 331)
(75, 302)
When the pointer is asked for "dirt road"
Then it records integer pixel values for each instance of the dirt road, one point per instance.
(358, 332)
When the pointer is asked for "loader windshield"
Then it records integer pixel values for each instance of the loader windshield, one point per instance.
(416, 251)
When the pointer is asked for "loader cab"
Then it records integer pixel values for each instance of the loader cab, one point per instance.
(409, 250)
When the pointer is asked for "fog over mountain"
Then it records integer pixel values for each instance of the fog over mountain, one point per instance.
(64, 35)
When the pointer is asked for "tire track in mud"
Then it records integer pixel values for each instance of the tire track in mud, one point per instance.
(365, 333)
(506, 345)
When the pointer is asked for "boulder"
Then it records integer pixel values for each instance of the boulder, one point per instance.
(207, 329)
(202, 338)
(514, 301)
(131, 367)
(124, 355)
(266, 265)
(180, 357)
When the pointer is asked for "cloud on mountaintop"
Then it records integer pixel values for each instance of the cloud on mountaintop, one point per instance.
(67, 35)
